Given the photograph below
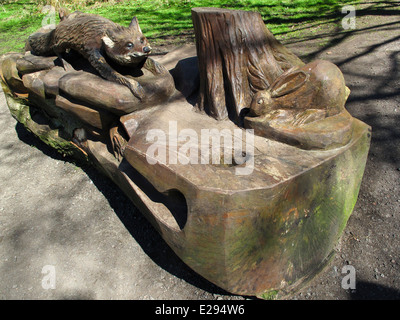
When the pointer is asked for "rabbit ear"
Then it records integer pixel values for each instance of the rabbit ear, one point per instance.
(135, 25)
(288, 82)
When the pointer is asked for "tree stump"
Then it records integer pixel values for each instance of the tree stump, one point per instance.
(238, 56)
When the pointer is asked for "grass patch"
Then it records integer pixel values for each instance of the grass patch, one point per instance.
(17, 21)
(163, 19)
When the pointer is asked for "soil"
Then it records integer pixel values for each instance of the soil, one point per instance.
(58, 213)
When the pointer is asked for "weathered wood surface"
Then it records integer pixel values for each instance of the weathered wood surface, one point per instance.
(250, 234)
(304, 108)
(30, 63)
(238, 56)
(256, 225)
(51, 80)
(10, 75)
(97, 118)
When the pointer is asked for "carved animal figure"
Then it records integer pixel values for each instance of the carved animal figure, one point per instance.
(96, 38)
(304, 107)
(317, 86)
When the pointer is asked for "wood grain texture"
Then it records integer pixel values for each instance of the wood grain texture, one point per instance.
(237, 57)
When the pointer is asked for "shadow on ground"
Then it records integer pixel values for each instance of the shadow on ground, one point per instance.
(137, 225)
(372, 291)
(373, 75)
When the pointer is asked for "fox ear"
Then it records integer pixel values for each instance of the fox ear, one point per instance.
(108, 42)
(135, 25)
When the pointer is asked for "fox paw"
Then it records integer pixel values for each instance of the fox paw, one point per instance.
(118, 142)
(136, 89)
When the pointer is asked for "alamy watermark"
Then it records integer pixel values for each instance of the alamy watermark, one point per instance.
(349, 21)
(50, 18)
(349, 280)
(49, 279)
(190, 147)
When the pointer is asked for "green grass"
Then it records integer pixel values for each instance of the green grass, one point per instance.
(17, 20)
(163, 19)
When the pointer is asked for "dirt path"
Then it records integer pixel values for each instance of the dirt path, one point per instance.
(73, 219)
(369, 58)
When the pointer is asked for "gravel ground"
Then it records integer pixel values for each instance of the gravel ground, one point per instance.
(62, 217)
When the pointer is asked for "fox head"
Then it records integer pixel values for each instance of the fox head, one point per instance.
(126, 46)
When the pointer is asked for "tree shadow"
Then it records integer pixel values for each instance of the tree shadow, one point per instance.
(385, 136)
(372, 71)
(334, 15)
(137, 225)
(383, 120)
(371, 291)
(381, 101)
(339, 35)
(383, 87)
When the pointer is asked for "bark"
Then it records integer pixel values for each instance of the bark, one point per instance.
(238, 56)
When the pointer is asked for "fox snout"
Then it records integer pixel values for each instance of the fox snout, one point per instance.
(146, 49)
